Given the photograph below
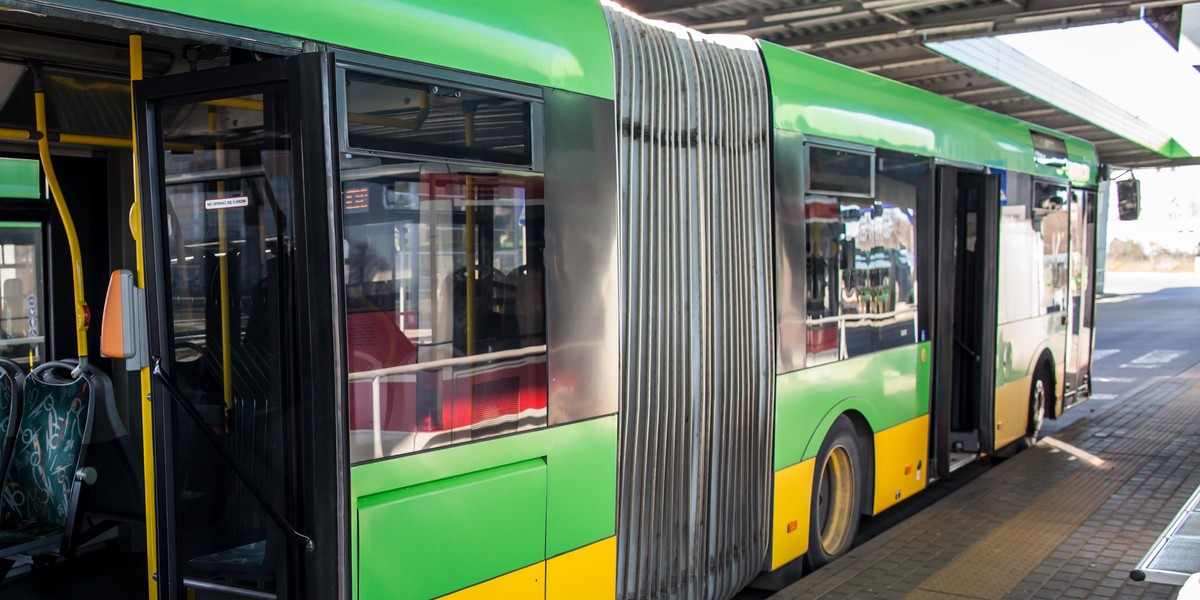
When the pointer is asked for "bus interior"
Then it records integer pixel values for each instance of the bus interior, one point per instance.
(237, 148)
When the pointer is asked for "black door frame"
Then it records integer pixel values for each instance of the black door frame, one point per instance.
(1080, 383)
(949, 180)
(317, 503)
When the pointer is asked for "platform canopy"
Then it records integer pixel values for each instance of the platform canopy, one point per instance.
(893, 38)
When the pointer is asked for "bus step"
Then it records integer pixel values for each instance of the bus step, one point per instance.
(959, 460)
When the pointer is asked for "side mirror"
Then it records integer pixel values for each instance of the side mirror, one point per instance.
(1129, 199)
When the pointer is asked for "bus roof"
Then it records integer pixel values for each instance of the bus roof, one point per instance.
(817, 97)
(562, 44)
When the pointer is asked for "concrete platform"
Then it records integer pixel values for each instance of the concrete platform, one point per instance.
(1068, 518)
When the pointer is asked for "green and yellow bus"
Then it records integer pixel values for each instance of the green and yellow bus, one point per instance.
(482, 299)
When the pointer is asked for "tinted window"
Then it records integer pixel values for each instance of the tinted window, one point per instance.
(397, 116)
(861, 266)
(839, 172)
(1051, 222)
(1022, 271)
(443, 267)
(22, 307)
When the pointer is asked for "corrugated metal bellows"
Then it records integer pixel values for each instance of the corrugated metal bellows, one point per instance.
(698, 343)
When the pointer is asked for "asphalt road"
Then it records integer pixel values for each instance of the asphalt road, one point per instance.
(1147, 328)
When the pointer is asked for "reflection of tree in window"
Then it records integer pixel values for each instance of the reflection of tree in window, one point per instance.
(862, 289)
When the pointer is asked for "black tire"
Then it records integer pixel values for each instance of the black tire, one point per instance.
(1040, 396)
(836, 494)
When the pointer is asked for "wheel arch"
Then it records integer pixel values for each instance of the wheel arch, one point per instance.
(1045, 358)
(855, 409)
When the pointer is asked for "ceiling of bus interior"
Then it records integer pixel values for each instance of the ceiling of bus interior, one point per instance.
(86, 71)
(888, 37)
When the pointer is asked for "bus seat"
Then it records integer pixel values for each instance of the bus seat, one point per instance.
(12, 381)
(489, 327)
(530, 305)
(117, 491)
(41, 488)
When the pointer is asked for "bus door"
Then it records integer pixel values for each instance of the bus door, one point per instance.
(1082, 282)
(965, 322)
(233, 167)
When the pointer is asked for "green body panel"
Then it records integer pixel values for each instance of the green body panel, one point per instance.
(887, 388)
(821, 98)
(1020, 343)
(436, 538)
(20, 178)
(562, 44)
(581, 489)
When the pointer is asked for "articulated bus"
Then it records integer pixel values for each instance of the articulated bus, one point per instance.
(483, 299)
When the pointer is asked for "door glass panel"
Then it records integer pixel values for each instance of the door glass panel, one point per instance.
(228, 191)
(22, 330)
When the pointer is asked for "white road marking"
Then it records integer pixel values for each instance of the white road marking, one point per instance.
(1154, 360)
(1099, 354)
(1079, 453)
(1102, 396)
(1115, 299)
(1114, 379)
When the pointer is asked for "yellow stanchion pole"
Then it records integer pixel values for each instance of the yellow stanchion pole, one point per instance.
(135, 228)
(82, 314)
(223, 267)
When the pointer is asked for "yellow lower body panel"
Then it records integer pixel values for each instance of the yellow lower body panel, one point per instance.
(1012, 410)
(901, 453)
(789, 527)
(529, 582)
(586, 573)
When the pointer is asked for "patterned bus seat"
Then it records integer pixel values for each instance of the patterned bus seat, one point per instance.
(40, 492)
(12, 380)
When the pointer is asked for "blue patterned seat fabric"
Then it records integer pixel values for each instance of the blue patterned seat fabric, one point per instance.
(50, 438)
(12, 380)
(7, 394)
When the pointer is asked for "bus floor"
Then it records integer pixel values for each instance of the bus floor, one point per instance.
(101, 573)
(1071, 516)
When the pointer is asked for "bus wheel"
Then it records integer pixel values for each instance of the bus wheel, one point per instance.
(836, 490)
(1039, 396)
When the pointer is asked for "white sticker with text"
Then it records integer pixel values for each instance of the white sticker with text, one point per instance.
(234, 202)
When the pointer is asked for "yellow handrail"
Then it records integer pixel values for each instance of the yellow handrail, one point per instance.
(77, 139)
(82, 314)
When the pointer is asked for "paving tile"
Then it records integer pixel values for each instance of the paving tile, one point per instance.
(1043, 524)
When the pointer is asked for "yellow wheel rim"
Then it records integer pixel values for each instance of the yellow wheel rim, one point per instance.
(835, 501)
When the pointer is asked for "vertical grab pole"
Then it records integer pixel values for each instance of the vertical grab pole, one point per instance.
(135, 229)
(223, 268)
(471, 270)
(82, 314)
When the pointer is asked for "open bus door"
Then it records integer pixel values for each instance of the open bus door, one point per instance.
(968, 208)
(236, 207)
(1082, 294)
